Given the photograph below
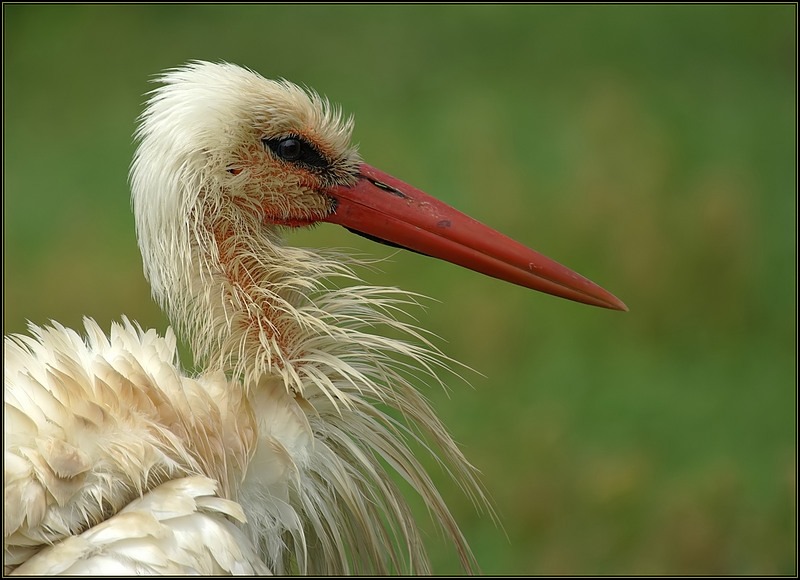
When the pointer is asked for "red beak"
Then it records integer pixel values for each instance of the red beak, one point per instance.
(388, 210)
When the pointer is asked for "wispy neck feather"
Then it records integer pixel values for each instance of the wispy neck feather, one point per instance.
(271, 316)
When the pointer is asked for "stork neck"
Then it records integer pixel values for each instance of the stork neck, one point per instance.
(244, 287)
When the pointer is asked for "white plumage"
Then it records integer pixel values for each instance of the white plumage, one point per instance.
(278, 456)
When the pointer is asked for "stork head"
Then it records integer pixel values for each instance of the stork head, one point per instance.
(260, 154)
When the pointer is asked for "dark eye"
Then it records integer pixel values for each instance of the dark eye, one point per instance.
(297, 150)
(290, 149)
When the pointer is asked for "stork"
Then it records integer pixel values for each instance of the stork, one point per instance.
(283, 453)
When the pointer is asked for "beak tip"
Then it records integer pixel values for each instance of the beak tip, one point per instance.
(617, 304)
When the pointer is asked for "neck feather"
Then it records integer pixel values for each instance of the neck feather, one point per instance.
(274, 319)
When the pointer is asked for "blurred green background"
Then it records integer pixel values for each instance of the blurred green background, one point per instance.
(651, 148)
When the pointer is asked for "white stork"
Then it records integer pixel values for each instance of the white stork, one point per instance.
(278, 456)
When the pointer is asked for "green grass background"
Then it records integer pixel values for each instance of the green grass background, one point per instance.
(651, 148)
